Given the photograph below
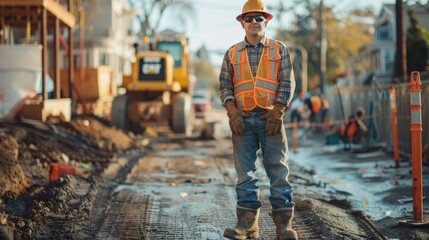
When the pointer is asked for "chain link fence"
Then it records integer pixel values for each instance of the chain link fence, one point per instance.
(375, 99)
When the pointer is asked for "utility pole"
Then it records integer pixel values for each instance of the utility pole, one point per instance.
(323, 46)
(401, 51)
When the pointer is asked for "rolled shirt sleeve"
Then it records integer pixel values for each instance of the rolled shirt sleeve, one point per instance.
(285, 76)
(226, 86)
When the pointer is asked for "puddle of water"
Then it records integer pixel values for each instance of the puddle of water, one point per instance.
(364, 182)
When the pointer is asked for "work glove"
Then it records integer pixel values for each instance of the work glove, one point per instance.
(235, 118)
(274, 119)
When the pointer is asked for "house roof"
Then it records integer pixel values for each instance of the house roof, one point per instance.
(388, 14)
(19, 12)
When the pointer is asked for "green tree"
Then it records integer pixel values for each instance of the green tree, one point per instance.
(204, 70)
(345, 35)
(417, 45)
(154, 11)
(206, 74)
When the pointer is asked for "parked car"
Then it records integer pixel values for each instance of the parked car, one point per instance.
(202, 100)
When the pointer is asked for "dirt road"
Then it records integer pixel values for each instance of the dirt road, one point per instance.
(174, 187)
(184, 189)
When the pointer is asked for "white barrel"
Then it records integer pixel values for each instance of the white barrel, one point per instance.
(20, 70)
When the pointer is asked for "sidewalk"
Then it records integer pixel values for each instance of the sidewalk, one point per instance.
(367, 180)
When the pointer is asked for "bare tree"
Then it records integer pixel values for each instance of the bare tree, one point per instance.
(153, 11)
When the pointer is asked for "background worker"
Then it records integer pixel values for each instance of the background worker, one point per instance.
(314, 103)
(256, 83)
(297, 108)
(325, 109)
(354, 129)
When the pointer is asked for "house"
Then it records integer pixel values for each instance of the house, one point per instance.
(377, 59)
(108, 37)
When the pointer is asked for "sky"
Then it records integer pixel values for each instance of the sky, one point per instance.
(215, 26)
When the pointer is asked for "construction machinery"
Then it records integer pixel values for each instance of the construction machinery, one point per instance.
(159, 90)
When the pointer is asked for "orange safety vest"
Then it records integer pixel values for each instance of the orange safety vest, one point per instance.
(316, 103)
(349, 129)
(260, 90)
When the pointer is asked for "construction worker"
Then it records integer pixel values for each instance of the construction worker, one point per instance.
(256, 83)
(325, 109)
(297, 108)
(314, 103)
(354, 129)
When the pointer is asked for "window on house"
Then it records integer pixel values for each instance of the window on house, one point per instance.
(389, 60)
(129, 27)
(384, 32)
(65, 61)
(77, 61)
(376, 63)
(104, 59)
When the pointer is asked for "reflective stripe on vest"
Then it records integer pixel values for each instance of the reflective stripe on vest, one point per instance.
(261, 91)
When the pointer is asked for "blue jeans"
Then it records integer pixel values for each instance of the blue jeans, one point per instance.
(275, 160)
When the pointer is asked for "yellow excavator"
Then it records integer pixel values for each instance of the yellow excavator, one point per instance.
(159, 90)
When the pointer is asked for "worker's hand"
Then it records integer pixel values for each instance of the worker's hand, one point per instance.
(235, 118)
(274, 119)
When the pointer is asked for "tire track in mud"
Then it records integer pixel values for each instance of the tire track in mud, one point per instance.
(119, 215)
(185, 202)
(200, 215)
(303, 222)
(306, 221)
(157, 202)
(152, 205)
(372, 231)
(126, 216)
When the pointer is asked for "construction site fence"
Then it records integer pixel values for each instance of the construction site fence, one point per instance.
(375, 99)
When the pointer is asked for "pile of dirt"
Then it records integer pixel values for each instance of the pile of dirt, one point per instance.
(58, 210)
(13, 181)
(27, 150)
(29, 147)
(98, 133)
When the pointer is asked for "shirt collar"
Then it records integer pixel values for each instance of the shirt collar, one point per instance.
(247, 44)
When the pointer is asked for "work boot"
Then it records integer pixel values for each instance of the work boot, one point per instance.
(282, 218)
(247, 225)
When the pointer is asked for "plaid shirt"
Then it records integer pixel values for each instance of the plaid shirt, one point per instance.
(286, 86)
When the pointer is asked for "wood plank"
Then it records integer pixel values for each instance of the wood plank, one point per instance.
(57, 90)
(60, 12)
(44, 41)
(53, 7)
(20, 2)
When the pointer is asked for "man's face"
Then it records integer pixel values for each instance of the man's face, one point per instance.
(254, 23)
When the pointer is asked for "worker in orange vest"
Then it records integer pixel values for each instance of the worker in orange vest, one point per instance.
(256, 84)
(354, 129)
(297, 108)
(314, 103)
(325, 109)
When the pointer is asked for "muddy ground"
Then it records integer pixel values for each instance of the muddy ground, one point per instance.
(106, 159)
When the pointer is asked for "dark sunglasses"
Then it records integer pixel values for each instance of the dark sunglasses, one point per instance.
(258, 18)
